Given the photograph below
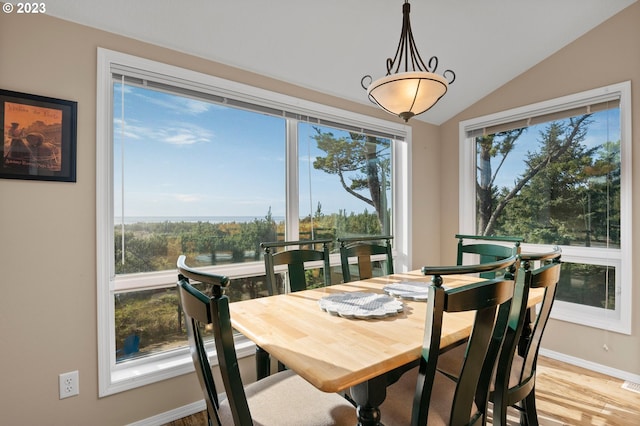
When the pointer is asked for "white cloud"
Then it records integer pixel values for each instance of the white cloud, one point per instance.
(188, 198)
(179, 104)
(175, 135)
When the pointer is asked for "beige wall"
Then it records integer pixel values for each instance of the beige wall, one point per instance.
(47, 233)
(608, 54)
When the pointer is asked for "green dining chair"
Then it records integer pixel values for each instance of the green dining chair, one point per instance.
(514, 382)
(424, 395)
(485, 249)
(296, 261)
(362, 248)
(281, 399)
(515, 378)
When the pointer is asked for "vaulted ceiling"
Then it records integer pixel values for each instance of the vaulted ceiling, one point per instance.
(330, 45)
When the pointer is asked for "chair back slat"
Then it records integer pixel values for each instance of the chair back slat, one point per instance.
(365, 267)
(196, 304)
(546, 277)
(478, 296)
(427, 367)
(295, 260)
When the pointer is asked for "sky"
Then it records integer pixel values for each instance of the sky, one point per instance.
(605, 127)
(187, 157)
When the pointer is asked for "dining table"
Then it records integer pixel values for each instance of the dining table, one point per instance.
(358, 355)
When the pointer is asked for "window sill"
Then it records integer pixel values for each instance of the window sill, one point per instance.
(144, 371)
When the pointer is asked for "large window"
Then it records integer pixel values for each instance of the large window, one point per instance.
(195, 165)
(193, 177)
(557, 173)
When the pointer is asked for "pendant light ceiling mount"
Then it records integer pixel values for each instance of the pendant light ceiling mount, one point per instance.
(410, 87)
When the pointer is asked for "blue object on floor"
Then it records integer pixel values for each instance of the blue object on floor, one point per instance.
(130, 347)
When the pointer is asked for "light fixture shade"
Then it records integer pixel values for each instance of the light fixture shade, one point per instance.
(406, 94)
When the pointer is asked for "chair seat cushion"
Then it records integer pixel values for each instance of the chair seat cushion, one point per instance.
(396, 408)
(286, 399)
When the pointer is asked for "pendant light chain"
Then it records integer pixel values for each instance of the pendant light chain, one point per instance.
(407, 47)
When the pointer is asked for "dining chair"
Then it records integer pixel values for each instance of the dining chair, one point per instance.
(514, 379)
(362, 248)
(424, 395)
(295, 260)
(515, 375)
(280, 399)
(485, 249)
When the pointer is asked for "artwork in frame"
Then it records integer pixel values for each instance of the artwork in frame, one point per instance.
(39, 137)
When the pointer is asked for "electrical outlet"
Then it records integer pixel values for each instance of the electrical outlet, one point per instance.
(69, 384)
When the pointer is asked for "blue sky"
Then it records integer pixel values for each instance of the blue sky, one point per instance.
(186, 157)
(605, 127)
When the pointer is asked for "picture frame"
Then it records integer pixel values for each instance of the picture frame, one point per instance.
(39, 137)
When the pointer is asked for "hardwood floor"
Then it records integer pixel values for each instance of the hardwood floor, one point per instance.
(565, 395)
(198, 419)
(568, 395)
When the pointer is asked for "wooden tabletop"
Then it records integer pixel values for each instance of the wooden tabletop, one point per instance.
(335, 353)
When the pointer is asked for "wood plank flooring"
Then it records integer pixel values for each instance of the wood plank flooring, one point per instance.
(569, 395)
(565, 395)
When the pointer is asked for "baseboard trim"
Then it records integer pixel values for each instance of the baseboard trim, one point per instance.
(175, 414)
(589, 365)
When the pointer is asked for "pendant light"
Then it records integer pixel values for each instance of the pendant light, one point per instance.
(413, 87)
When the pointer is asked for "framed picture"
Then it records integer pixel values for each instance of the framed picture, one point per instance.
(39, 137)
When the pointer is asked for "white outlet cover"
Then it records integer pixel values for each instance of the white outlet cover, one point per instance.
(69, 384)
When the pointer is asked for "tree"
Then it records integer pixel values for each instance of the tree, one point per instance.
(561, 152)
(361, 159)
(491, 146)
(255, 232)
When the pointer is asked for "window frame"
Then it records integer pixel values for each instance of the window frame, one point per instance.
(620, 319)
(114, 378)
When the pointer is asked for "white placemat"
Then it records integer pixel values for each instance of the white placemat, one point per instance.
(361, 305)
(408, 290)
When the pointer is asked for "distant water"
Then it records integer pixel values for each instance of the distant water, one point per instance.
(194, 219)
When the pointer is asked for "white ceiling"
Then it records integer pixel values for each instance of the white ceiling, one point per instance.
(330, 45)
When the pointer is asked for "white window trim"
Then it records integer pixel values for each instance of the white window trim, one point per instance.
(117, 378)
(620, 319)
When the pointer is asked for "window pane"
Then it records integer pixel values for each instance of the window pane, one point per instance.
(345, 183)
(557, 183)
(192, 177)
(591, 285)
(553, 183)
(152, 319)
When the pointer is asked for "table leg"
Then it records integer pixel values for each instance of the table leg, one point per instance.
(263, 363)
(369, 396)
